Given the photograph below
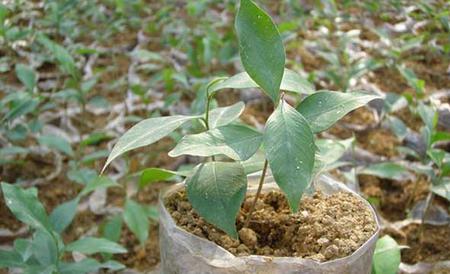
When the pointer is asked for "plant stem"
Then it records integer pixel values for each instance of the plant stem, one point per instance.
(258, 193)
(428, 203)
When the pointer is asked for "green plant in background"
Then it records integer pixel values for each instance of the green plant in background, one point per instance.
(217, 188)
(45, 251)
(386, 258)
(345, 66)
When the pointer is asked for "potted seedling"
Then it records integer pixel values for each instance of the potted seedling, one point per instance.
(211, 223)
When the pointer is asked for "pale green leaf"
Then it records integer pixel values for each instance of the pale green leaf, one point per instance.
(225, 115)
(386, 258)
(387, 170)
(26, 75)
(135, 217)
(56, 142)
(63, 214)
(145, 133)
(291, 81)
(324, 108)
(238, 142)
(92, 245)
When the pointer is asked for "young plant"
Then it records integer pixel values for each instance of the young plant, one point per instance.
(45, 251)
(217, 188)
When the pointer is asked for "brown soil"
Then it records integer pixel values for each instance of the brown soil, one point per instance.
(410, 119)
(435, 245)
(360, 116)
(395, 198)
(141, 258)
(325, 228)
(378, 141)
(390, 80)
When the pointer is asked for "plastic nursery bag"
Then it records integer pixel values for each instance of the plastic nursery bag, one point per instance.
(183, 252)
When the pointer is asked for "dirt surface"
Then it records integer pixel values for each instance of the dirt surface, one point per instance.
(325, 228)
(394, 199)
(379, 141)
(435, 245)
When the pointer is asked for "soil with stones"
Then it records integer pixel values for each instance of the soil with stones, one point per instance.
(325, 227)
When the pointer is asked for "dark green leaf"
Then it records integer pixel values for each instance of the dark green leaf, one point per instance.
(261, 48)
(235, 141)
(290, 150)
(216, 191)
(324, 108)
(151, 175)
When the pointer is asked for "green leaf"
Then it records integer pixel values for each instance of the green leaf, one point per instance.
(91, 245)
(151, 175)
(386, 258)
(261, 48)
(112, 229)
(25, 205)
(291, 81)
(216, 191)
(88, 266)
(412, 79)
(99, 182)
(26, 75)
(21, 107)
(65, 60)
(10, 258)
(24, 248)
(442, 189)
(44, 247)
(135, 217)
(82, 176)
(145, 133)
(397, 126)
(238, 142)
(56, 142)
(387, 170)
(329, 152)
(225, 115)
(324, 108)
(62, 216)
(290, 150)
(428, 115)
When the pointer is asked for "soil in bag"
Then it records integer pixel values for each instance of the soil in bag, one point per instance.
(324, 228)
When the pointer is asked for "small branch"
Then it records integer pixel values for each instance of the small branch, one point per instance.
(258, 193)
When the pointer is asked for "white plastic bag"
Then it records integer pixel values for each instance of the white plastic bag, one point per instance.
(183, 252)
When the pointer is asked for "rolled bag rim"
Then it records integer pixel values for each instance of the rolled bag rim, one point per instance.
(229, 261)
